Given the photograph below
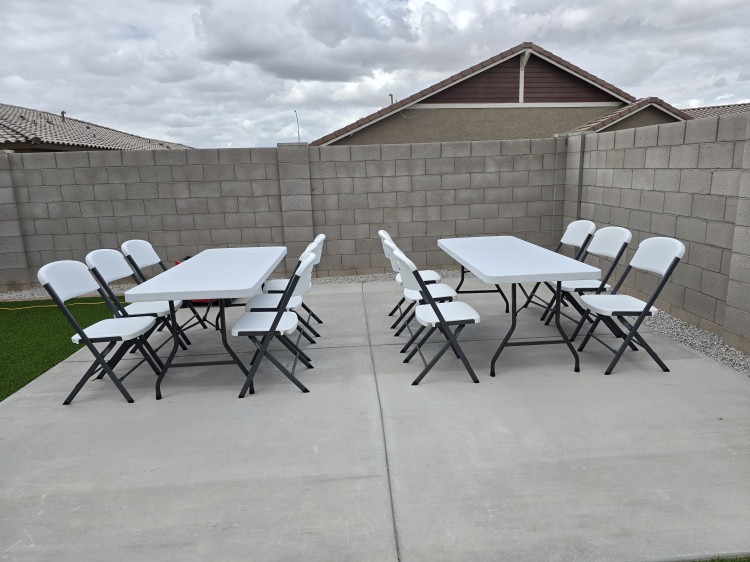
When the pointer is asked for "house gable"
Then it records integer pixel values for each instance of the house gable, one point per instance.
(498, 84)
(545, 82)
(525, 76)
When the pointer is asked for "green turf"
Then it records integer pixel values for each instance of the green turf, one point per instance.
(35, 336)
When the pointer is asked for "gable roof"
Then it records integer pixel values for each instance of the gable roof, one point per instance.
(716, 110)
(621, 113)
(21, 125)
(468, 73)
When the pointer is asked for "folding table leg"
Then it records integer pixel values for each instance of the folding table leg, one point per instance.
(558, 302)
(513, 318)
(170, 357)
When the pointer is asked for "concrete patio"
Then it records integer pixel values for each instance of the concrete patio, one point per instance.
(538, 463)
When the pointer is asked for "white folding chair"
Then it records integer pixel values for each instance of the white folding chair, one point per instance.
(269, 302)
(658, 255)
(263, 327)
(140, 255)
(67, 279)
(428, 275)
(610, 243)
(577, 236)
(440, 292)
(450, 318)
(108, 266)
(279, 285)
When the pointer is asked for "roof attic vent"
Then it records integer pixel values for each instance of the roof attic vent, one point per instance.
(62, 113)
(22, 117)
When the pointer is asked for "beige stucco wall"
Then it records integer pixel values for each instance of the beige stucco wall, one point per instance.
(647, 116)
(445, 125)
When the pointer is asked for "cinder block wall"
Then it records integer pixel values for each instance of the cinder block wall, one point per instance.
(689, 180)
(682, 180)
(423, 192)
(69, 203)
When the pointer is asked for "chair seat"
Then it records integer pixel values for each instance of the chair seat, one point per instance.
(156, 308)
(453, 312)
(611, 305)
(271, 301)
(438, 291)
(581, 285)
(260, 323)
(275, 286)
(428, 276)
(117, 329)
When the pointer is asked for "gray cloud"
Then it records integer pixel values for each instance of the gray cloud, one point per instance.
(227, 73)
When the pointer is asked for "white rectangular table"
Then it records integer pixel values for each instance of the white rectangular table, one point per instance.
(217, 273)
(506, 259)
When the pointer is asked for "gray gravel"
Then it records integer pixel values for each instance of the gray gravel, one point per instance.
(703, 341)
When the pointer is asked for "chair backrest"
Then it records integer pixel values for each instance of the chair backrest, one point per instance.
(411, 279)
(384, 236)
(141, 252)
(316, 246)
(609, 241)
(109, 265)
(657, 255)
(578, 233)
(68, 279)
(407, 269)
(389, 246)
(304, 274)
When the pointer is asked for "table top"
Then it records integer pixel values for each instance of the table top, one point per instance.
(216, 273)
(507, 259)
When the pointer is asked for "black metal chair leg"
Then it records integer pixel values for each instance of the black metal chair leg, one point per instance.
(311, 313)
(412, 339)
(289, 344)
(403, 315)
(397, 307)
(419, 344)
(307, 326)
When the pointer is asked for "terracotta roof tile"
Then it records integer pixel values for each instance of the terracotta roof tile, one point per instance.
(426, 92)
(24, 125)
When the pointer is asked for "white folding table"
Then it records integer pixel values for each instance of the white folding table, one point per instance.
(506, 259)
(217, 273)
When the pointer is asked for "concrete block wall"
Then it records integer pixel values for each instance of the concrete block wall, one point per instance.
(737, 314)
(14, 272)
(182, 201)
(423, 192)
(688, 180)
(681, 180)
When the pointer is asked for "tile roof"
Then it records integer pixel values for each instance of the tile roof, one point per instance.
(716, 110)
(464, 74)
(30, 126)
(621, 113)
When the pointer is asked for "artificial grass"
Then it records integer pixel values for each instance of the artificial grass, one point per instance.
(35, 336)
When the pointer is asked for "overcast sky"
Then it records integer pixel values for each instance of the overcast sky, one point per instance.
(219, 73)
